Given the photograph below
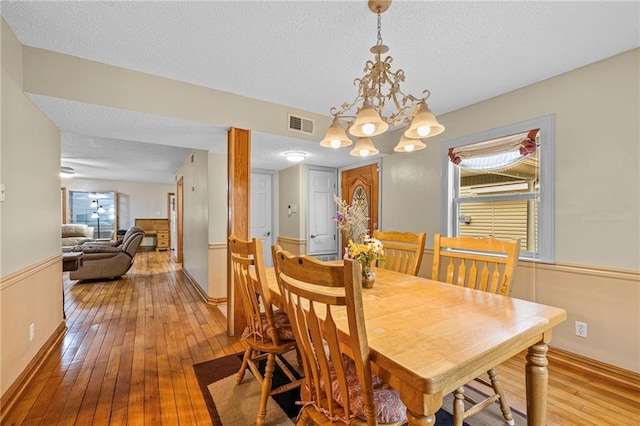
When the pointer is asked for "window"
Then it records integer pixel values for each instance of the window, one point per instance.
(500, 183)
(96, 209)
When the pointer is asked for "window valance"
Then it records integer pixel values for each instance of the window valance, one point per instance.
(495, 154)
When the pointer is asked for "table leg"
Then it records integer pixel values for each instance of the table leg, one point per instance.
(415, 420)
(537, 378)
(419, 404)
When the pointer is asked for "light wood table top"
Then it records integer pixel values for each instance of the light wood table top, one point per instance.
(428, 338)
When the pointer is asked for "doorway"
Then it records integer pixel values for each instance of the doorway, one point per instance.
(321, 228)
(179, 216)
(261, 212)
(360, 186)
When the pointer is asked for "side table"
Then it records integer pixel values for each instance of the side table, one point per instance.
(71, 261)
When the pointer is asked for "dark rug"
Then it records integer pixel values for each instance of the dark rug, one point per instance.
(212, 371)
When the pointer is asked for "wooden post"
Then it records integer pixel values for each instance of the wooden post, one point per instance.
(239, 178)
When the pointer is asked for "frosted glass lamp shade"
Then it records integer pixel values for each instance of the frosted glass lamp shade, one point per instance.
(424, 124)
(335, 137)
(409, 145)
(364, 148)
(368, 123)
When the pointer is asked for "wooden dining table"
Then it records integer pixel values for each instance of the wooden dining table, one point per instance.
(428, 338)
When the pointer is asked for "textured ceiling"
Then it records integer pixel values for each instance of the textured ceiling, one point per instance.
(305, 54)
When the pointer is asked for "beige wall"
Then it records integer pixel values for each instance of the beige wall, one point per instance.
(217, 181)
(597, 161)
(195, 201)
(597, 200)
(292, 188)
(30, 265)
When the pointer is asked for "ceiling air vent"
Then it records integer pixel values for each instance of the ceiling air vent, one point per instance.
(301, 124)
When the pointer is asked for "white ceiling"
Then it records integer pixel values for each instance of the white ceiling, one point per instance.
(303, 54)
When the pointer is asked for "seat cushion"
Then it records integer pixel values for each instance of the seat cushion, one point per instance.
(75, 230)
(282, 324)
(389, 406)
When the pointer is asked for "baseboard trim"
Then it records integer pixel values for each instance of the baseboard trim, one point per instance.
(21, 383)
(208, 300)
(618, 376)
(195, 285)
(217, 300)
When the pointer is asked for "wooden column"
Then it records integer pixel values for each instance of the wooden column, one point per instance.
(238, 190)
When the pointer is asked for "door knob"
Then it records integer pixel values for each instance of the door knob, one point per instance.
(313, 236)
(266, 234)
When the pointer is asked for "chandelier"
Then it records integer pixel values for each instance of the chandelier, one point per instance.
(377, 89)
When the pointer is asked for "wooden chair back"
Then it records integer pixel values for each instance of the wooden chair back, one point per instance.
(486, 263)
(247, 266)
(403, 251)
(267, 335)
(313, 292)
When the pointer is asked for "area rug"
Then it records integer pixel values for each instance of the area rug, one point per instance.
(230, 404)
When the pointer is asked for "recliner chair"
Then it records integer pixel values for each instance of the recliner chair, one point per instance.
(104, 260)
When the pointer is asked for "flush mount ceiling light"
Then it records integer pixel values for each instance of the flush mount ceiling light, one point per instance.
(66, 172)
(379, 85)
(295, 156)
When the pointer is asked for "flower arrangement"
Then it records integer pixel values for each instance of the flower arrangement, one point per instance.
(351, 220)
(367, 252)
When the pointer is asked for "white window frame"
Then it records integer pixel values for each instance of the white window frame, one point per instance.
(546, 200)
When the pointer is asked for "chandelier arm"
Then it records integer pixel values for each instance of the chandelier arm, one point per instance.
(344, 107)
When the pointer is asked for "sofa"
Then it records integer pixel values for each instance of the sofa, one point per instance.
(76, 233)
(107, 260)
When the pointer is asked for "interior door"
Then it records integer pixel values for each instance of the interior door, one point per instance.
(261, 212)
(179, 220)
(360, 187)
(321, 228)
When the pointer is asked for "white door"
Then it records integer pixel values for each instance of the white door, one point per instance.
(321, 238)
(261, 214)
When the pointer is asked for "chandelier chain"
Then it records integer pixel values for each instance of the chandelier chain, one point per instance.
(379, 43)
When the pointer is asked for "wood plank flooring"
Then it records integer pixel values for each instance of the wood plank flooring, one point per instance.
(128, 353)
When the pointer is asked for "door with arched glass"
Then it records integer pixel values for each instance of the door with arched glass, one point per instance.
(360, 190)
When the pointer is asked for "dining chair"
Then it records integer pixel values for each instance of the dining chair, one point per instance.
(268, 332)
(402, 250)
(481, 263)
(339, 386)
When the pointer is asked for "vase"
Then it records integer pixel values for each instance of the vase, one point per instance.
(368, 276)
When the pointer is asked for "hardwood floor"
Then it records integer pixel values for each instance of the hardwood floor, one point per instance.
(128, 353)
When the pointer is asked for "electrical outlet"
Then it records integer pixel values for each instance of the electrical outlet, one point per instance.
(32, 331)
(581, 329)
